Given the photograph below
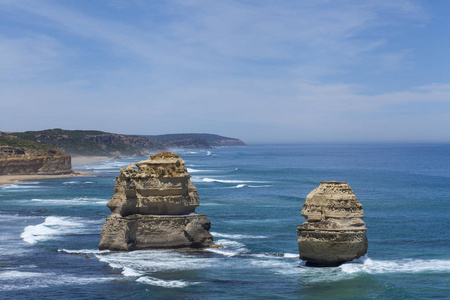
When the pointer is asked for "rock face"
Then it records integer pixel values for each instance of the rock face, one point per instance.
(154, 207)
(334, 231)
(24, 161)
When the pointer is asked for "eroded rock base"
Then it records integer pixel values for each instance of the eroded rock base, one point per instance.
(325, 248)
(137, 232)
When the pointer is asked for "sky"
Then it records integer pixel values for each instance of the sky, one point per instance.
(262, 71)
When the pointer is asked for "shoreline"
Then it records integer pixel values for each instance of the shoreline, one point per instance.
(76, 162)
(14, 179)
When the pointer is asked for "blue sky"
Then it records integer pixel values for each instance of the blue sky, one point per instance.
(262, 71)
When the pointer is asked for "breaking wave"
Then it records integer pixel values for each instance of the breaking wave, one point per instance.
(229, 248)
(53, 228)
(238, 236)
(229, 181)
(73, 201)
(139, 264)
(367, 265)
(13, 280)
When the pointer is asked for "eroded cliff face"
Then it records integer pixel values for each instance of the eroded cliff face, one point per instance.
(24, 161)
(334, 231)
(154, 207)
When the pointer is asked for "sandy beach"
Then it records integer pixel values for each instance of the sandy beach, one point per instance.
(86, 160)
(76, 161)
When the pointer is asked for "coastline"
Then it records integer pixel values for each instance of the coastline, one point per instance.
(76, 161)
(12, 179)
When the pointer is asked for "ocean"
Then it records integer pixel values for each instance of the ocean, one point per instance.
(253, 196)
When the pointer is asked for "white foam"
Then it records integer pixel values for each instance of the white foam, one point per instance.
(230, 248)
(238, 236)
(139, 264)
(107, 165)
(229, 181)
(208, 152)
(14, 274)
(17, 280)
(367, 265)
(73, 201)
(131, 272)
(153, 260)
(286, 265)
(291, 255)
(165, 283)
(239, 186)
(212, 204)
(78, 182)
(52, 228)
(191, 170)
(20, 186)
(279, 266)
(83, 251)
(275, 255)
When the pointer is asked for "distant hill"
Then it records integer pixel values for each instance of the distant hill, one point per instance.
(90, 142)
(99, 143)
(213, 140)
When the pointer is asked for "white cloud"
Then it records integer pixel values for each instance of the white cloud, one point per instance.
(258, 68)
(29, 57)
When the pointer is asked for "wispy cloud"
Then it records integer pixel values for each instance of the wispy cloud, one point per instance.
(234, 67)
(223, 36)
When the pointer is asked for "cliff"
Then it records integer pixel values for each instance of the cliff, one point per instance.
(32, 159)
(334, 231)
(98, 143)
(154, 207)
(90, 142)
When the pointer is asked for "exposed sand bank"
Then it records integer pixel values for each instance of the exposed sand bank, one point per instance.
(86, 160)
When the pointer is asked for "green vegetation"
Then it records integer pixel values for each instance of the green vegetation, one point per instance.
(99, 143)
(88, 142)
(15, 142)
(211, 139)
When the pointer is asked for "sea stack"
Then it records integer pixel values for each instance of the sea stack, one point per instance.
(334, 231)
(154, 207)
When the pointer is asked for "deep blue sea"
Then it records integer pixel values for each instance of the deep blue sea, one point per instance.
(253, 196)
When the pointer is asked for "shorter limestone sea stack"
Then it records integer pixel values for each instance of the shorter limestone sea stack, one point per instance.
(334, 231)
(154, 207)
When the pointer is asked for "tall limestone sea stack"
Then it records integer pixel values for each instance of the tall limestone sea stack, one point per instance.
(154, 207)
(334, 231)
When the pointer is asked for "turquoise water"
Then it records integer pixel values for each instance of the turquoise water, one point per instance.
(253, 196)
